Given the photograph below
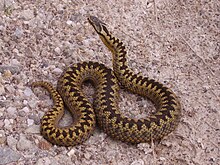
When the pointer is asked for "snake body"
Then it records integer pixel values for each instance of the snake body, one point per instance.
(105, 109)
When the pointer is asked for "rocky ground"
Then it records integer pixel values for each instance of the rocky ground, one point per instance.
(175, 42)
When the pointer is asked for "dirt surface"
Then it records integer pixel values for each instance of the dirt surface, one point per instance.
(175, 42)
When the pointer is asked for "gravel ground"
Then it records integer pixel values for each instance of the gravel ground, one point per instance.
(175, 42)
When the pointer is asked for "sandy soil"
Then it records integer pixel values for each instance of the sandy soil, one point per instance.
(175, 42)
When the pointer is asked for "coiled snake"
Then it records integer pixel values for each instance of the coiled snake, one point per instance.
(105, 109)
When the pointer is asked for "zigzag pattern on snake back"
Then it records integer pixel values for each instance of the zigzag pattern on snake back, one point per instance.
(106, 112)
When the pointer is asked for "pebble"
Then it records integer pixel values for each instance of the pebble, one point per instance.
(49, 32)
(12, 69)
(2, 137)
(24, 144)
(30, 122)
(87, 155)
(145, 147)
(69, 22)
(57, 50)
(25, 102)
(71, 152)
(2, 5)
(7, 155)
(138, 162)
(33, 129)
(32, 104)
(2, 90)
(15, 62)
(9, 88)
(27, 14)
(7, 74)
(18, 32)
(8, 123)
(44, 145)
(11, 111)
(1, 122)
(57, 71)
(12, 142)
(1, 27)
(28, 92)
(23, 111)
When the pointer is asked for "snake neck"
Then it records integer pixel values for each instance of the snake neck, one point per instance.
(119, 54)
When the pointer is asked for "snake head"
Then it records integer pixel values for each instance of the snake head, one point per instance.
(97, 24)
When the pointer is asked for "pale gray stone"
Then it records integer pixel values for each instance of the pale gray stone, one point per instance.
(32, 103)
(33, 129)
(11, 111)
(12, 69)
(27, 14)
(18, 32)
(12, 142)
(57, 71)
(138, 162)
(24, 143)
(7, 123)
(28, 92)
(7, 155)
(30, 122)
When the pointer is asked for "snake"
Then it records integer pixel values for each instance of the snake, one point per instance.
(104, 111)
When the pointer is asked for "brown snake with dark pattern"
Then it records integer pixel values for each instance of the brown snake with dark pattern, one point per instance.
(105, 109)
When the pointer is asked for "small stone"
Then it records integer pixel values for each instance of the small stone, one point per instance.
(145, 147)
(32, 104)
(12, 111)
(25, 109)
(69, 22)
(44, 145)
(28, 92)
(1, 27)
(7, 155)
(27, 14)
(7, 74)
(57, 50)
(71, 152)
(11, 141)
(138, 162)
(25, 102)
(87, 155)
(21, 113)
(2, 5)
(2, 137)
(18, 32)
(1, 122)
(57, 71)
(7, 123)
(24, 144)
(163, 159)
(15, 62)
(2, 90)
(30, 122)
(9, 70)
(49, 32)
(33, 129)
(9, 88)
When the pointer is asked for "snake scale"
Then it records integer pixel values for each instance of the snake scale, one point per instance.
(105, 111)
